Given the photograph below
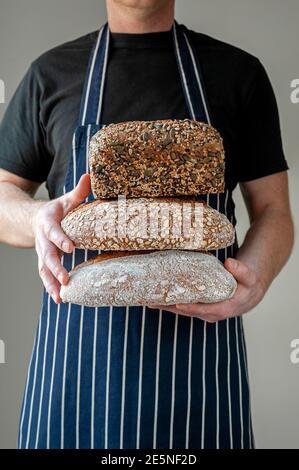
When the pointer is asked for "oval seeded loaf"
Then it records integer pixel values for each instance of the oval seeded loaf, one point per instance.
(156, 158)
(160, 277)
(148, 224)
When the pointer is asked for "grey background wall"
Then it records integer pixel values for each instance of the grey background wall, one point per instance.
(266, 28)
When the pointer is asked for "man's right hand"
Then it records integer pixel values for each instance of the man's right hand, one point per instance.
(51, 241)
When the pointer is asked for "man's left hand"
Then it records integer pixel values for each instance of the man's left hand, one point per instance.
(249, 293)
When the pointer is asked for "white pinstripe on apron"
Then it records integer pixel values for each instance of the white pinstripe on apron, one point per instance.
(119, 377)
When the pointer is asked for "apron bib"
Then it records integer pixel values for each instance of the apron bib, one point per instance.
(133, 377)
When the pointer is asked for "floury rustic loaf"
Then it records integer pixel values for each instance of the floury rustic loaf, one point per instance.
(160, 277)
(148, 224)
(156, 159)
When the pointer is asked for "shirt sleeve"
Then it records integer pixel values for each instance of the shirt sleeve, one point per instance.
(22, 136)
(260, 146)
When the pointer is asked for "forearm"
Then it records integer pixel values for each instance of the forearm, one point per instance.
(17, 211)
(268, 244)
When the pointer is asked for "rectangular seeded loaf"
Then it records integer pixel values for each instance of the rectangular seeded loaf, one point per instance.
(148, 224)
(160, 277)
(156, 159)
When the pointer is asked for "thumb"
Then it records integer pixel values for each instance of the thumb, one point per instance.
(79, 193)
(241, 272)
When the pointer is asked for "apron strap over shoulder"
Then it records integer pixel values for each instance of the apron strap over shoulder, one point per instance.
(91, 104)
(191, 75)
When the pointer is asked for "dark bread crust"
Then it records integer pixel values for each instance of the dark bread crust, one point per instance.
(108, 256)
(156, 159)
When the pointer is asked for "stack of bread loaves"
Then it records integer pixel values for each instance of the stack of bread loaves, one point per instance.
(155, 232)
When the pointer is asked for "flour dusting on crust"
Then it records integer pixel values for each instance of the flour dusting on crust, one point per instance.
(162, 277)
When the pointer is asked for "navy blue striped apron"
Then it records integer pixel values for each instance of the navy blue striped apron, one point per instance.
(133, 377)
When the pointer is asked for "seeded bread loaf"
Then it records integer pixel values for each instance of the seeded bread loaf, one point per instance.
(160, 277)
(156, 158)
(148, 224)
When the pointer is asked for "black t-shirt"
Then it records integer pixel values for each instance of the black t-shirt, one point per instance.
(142, 83)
